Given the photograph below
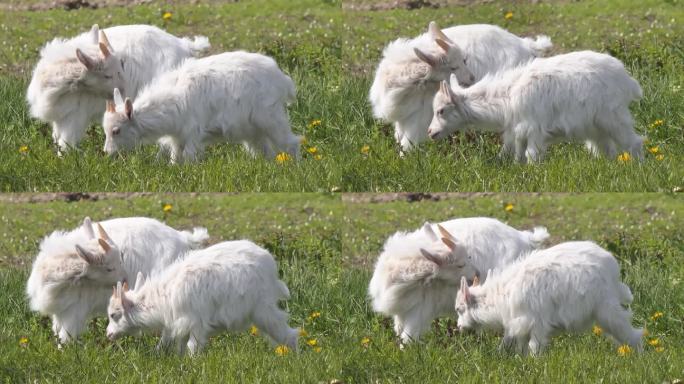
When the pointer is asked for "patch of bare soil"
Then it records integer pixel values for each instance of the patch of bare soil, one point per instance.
(32, 5)
(411, 197)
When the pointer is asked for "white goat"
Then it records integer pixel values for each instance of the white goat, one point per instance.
(236, 96)
(74, 271)
(227, 286)
(409, 73)
(416, 277)
(576, 96)
(567, 287)
(74, 77)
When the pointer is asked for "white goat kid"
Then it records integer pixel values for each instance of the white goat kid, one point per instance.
(417, 275)
(581, 96)
(227, 286)
(71, 278)
(235, 96)
(567, 287)
(74, 77)
(409, 73)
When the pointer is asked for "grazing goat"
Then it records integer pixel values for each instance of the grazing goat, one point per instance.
(74, 77)
(581, 96)
(417, 275)
(72, 276)
(235, 96)
(567, 287)
(409, 73)
(227, 286)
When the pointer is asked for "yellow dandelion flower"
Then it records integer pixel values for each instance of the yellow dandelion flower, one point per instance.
(624, 157)
(597, 330)
(167, 15)
(645, 333)
(659, 349)
(318, 157)
(303, 332)
(365, 149)
(312, 342)
(656, 123)
(318, 349)
(654, 342)
(508, 15)
(508, 207)
(365, 342)
(624, 350)
(282, 350)
(303, 140)
(654, 149)
(656, 315)
(312, 150)
(314, 123)
(283, 157)
(660, 157)
(253, 330)
(23, 341)
(167, 208)
(23, 149)
(314, 315)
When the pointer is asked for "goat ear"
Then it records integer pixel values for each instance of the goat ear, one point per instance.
(139, 281)
(113, 290)
(105, 246)
(88, 228)
(104, 50)
(437, 33)
(103, 40)
(454, 84)
(94, 33)
(432, 257)
(426, 58)
(444, 232)
(85, 255)
(85, 59)
(427, 229)
(110, 107)
(128, 108)
(118, 100)
(476, 281)
(464, 290)
(449, 243)
(443, 44)
(124, 286)
(103, 234)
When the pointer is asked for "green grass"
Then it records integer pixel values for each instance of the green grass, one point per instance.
(331, 53)
(325, 247)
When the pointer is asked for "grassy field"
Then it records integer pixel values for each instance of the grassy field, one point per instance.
(330, 52)
(325, 247)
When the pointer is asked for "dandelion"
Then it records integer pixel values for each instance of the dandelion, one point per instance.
(645, 332)
(303, 140)
(656, 315)
(318, 349)
(508, 207)
(23, 149)
(167, 16)
(654, 342)
(312, 150)
(597, 330)
(365, 342)
(660, 157)
(654, 150)
(23, 341)
(314, 315)
(283, 157)
(312, 342)
(656, 123)
(314, 123)
(318, 157)
(365, 149)
(659, 349)
(282, 350)
(167, 208)
(303, 332)
(253, 330)
(624, 157)
(508, 15)
(624, 350)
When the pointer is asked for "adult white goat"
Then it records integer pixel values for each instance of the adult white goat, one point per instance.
(74, 77)
(567, 287)
(236, 96)
(581, 96)
(409, 73)
(227, 286)
(417, 275)
(73, 273)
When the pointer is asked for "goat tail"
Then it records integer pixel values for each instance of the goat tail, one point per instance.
(198, 45)
(541, 46)
(197, 237)
(625, 293)
(290, 95)
(537, 236)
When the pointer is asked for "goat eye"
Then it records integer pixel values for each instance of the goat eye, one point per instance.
(107, 77)
(116, 131)
(122, 64)
(465, 61)
(440, 112)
